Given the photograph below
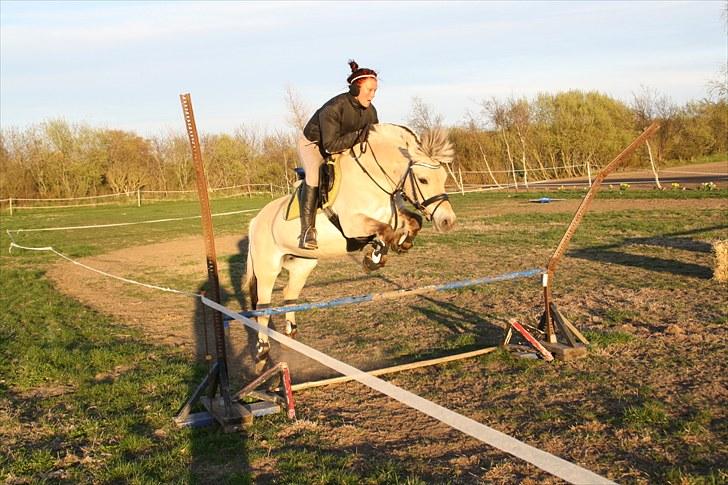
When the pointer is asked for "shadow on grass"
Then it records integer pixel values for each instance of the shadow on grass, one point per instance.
(612, 254)
(218, 457)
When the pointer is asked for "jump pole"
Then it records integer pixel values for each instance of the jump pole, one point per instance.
(227, 414)
(551, 316)
(392, 294)
(396, 368)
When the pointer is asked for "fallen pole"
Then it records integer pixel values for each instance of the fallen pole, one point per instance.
(396, 368)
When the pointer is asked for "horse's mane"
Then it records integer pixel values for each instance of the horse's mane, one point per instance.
(434, 143)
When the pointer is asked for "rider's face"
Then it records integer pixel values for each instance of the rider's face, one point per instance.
(367, 90)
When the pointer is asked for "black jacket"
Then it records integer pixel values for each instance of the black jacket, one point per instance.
(337, 124)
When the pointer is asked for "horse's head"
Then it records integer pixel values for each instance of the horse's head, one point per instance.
(422, 170)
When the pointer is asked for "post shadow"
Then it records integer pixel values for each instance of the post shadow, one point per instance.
(210, 448)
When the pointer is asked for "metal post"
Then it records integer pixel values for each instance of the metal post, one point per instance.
(220, 369)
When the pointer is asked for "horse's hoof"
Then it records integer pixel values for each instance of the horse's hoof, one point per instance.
(406, 244)
(292, 331)
(262, 350)
(370, 265)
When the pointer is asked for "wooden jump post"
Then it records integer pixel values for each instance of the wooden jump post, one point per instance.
(552, 318)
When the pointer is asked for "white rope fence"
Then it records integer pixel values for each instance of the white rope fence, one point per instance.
(552, 464)
(119, 224)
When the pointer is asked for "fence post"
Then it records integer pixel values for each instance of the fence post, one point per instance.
(460, 174)
(271, 191)
(139, 197)
(11, 206)
(588, 171)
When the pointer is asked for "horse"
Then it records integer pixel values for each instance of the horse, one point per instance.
(378, 177)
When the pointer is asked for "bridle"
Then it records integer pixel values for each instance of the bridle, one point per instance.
(417, 200)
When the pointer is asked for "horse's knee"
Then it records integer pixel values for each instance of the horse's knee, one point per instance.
(386, 234)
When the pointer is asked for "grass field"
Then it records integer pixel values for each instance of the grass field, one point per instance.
(88, 397)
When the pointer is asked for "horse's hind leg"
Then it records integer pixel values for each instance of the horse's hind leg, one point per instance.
(266, 275)
(298, 271)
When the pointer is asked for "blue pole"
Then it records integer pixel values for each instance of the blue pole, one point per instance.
(352, 300)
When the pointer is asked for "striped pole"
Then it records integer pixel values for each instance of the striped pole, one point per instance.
(392, 294)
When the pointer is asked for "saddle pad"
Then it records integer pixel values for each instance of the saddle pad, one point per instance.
(294, 209)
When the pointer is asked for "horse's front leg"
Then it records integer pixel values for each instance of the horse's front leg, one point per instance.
(405, 235)
(385, 237)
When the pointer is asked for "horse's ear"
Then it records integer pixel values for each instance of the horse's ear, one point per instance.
(436, 145)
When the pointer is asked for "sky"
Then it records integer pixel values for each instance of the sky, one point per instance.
(122, 65)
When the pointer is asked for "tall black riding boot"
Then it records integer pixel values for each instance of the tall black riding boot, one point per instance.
(308, 203)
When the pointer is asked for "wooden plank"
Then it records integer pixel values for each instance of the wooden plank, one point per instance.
(574, 330)
(216, 408)
(558, 318)
(565, 352)
(396, 368)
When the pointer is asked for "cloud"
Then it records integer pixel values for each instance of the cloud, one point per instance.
(107, 24)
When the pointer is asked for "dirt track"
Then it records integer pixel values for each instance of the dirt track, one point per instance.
(174, 320)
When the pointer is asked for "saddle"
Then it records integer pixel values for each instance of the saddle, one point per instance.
(329, 182)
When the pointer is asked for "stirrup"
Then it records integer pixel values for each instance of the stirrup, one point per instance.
(307, 239)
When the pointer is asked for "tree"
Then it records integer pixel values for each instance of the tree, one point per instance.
(129, 161)
(298, 112)
(422, 116)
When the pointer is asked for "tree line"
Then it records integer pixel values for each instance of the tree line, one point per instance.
(500, 141)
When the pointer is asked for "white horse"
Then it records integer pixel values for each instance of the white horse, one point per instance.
(377, 178)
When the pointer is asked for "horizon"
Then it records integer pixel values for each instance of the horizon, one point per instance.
(124, 65)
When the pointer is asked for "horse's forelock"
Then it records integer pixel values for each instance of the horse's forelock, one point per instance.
(437, 146)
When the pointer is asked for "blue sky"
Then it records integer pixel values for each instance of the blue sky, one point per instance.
(123, 64)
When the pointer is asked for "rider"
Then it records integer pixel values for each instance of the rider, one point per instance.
(341, 123)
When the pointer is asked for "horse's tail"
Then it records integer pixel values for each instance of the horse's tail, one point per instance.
(251, 281)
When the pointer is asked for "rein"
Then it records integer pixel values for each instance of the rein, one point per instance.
(417, 200)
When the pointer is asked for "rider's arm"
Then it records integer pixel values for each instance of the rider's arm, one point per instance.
(332, 140)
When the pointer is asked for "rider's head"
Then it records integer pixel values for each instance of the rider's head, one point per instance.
(362, 84)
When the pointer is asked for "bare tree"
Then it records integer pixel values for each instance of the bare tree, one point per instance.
(298, 112)
(422, 116)
(648, 106)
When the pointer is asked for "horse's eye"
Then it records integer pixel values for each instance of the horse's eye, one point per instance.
(423, 180)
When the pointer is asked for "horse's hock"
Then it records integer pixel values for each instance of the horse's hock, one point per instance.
(720, 249)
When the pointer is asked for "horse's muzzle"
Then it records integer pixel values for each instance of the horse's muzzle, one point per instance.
(444, 219)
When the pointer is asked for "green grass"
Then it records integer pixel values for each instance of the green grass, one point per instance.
(607, 339)
(82, 385)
